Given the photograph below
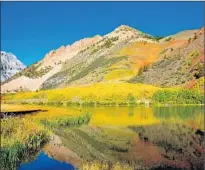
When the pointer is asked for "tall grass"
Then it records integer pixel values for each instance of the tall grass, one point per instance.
(19, 138)
(67, 121)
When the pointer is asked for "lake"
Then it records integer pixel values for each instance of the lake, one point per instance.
(158, 135)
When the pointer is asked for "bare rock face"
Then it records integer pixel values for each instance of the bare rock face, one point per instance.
(64, 53)
(10, 65)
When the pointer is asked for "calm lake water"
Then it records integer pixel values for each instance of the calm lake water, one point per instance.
(43, 162)
(125, 116)
(122, 117)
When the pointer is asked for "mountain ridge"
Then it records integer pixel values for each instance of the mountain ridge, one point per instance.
(115, 57)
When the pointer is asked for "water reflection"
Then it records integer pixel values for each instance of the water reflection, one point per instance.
(117, 128)
(125, 116)
(43, 162)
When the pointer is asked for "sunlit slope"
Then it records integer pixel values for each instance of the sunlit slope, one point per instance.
(180, 63)
(141, 53)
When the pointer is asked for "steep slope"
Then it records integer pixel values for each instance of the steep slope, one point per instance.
(102, 61)
(178, 65)
(65, 53)
(10, 65)
(32, 77)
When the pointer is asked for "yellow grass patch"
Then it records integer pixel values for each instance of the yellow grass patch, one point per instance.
(119, 74)
(101, 92)
(19, 129)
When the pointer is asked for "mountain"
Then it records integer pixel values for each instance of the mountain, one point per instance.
(123, 55)
(102, 61)
(10, 65)
(177, 64)
(32, 77)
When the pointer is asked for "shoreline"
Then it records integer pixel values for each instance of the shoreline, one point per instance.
(56, 104)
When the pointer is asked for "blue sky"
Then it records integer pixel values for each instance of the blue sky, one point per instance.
(31, 29)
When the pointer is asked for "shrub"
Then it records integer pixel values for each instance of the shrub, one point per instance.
(194, 54)
(147, 36)
(182, 96)
(157, 38)
(195, 37)
(164, 96)
(190, 97)
(131, 98)
(107, 44)
(168, 39)
(199, 71)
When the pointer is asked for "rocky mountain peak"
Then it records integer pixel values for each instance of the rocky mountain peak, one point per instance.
(124, 32)
(124, 28)
(10, 65)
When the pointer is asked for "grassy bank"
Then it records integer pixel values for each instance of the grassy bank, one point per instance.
(121, 94)
(22, 137)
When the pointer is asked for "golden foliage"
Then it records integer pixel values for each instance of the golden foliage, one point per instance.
(99, 93)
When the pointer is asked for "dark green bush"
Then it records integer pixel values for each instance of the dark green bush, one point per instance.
(164, 96)
(182, 96)
(186, 96)
(157, 38)
(168, 39)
